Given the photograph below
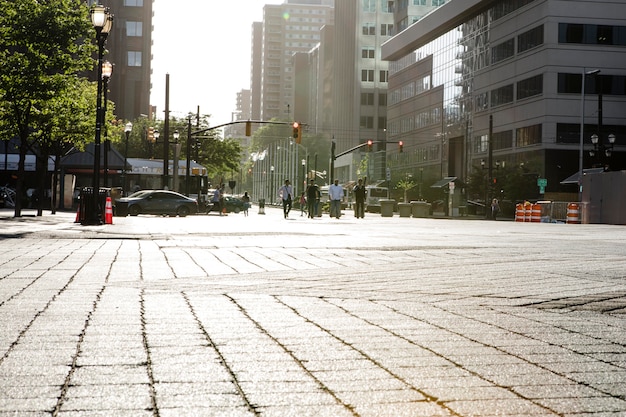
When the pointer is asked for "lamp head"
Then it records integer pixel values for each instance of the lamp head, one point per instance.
(101, 18)
(107, 70)
(128, 127)
(594, 139)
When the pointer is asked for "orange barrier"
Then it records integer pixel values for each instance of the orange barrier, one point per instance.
(535, 216)
(528, 211)
(108, 212)
(573, 214)
(519, 212)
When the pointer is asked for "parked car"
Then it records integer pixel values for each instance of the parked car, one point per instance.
(156, 202)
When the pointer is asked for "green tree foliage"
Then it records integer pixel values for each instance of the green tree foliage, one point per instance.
(42, 45)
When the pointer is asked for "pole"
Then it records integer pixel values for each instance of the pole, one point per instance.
(187, 170)
(582, 136)
(166, 135)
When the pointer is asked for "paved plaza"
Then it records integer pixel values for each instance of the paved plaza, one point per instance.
(265, 316)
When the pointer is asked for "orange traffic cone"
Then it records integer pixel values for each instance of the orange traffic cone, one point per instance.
(108, 212)
(77, 215)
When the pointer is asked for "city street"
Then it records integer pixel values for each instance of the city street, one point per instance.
(265, 316)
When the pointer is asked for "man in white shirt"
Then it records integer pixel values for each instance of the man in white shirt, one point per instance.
(335, 195)
(286, 194)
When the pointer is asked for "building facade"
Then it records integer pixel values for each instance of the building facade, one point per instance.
(129, 46)
(487, 84)
(287, 29)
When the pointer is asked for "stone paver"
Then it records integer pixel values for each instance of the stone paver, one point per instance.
(262, 316)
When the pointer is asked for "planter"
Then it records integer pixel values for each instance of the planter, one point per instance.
(386, 207)
(420, 208)
(404, 209)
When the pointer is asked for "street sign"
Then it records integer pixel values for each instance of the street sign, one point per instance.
(388, 174)
(542, 182)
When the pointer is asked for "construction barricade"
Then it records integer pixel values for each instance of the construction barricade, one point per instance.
(573, 213)
(519, 212)
(535, 213)
(528, 211)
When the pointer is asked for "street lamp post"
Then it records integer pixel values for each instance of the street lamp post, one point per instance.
(102, 21)
(176, 135)
(107, 70)
(582, 129)
(127, 129)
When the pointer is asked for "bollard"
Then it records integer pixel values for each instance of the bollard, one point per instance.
(261, 206)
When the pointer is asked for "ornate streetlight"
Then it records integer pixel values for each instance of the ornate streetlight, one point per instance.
(107, 71)
(127, 129)
(102, 21)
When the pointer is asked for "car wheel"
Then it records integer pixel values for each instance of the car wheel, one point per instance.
(183, 211)
(236, 209)
(134, 210)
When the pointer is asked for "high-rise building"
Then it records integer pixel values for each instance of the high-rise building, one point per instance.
(129, 46)
(483, 83)
(286, 29)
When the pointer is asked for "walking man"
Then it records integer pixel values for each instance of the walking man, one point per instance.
(312, 197)
(360, 194)
(286, 194)
(335, 195)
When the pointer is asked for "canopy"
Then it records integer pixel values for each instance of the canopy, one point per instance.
(443, 182)
(574, 179)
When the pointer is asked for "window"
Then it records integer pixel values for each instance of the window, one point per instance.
(369, 28)
(438, 2)
(134, 28)
(386, 29)
(530, 39)
(592, 34)
(527, 136)
(482, 101)
(134, 58)
(368, 52)
(384, 76)
(502, 95)
(367, 75)
(502, 51)
(382, 123)
(367, 122)
(481, 144)
(529, 87)
(369, 6)
(367, 99)
(502, 140)
(382, 99)
(419, 2)
(133, 3)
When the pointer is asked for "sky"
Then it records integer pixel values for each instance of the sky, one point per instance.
(204, 45)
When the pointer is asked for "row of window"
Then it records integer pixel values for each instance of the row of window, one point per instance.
(420, 120)
(607, 84)
(369, 6)
(133, 3)
(386, 29)
(411, 89)
(529, 87)
(367, 99)
(592, 34)
(404, 4)
(524, 136)
(367, 122)
(368, 76)
(525, 41)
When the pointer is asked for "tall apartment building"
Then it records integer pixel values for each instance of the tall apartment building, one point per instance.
(287, 29)
(486, 81)
(129, 46)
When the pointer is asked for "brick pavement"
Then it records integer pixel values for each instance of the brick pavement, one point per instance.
(260, 316)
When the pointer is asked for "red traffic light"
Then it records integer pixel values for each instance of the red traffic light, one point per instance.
(369, 145)
(297, 132)
(400, 146)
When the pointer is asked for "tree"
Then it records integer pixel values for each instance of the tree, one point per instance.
(41, 44)
(405, 185)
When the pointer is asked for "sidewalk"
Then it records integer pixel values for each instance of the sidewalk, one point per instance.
(262, 316)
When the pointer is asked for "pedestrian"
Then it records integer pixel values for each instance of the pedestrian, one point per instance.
(246, 203)
(495, 208)
(312, 198)
(360, 194)
(302, 203)
(286, 193)
(335, 195)
(222, 205)
(216, 201)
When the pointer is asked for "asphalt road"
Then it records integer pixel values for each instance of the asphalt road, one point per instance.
(262, 316)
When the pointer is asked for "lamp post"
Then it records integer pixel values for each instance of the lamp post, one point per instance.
(157, 134)
(176, 135)
(604, 151)
(102, 21)
(127, 129)
(582, 129)
(107, 70)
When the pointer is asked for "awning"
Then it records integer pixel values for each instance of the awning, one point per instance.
(573, 179)
(443, 182)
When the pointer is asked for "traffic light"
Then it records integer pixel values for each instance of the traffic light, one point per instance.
(297, 132)
(151, 134)
(248, 128)
(400, 146)
(369, 145)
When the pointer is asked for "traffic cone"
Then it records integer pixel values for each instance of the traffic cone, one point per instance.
(108, 212)
(77, 215)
